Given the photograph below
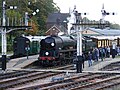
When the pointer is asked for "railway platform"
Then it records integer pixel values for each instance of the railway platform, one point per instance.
(19, 64)
(100, 64)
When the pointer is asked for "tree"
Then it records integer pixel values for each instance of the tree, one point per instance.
(45, 7)
(115, 26)
(34, 29)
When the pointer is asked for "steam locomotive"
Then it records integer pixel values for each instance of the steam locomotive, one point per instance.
(60, 49)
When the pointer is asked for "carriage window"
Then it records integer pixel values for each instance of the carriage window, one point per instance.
(99, 43)
(103, 43)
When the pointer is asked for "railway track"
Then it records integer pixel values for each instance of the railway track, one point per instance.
(16, 79)
(79, 82)
(32, 80)
(13, 74)
(84, 81)
(108, 83)
(112, 67)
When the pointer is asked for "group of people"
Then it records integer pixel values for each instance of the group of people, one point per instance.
(102, 53)
(97, 54)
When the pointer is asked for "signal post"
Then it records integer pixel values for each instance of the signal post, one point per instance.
(78, 27)
(79, 41)
(6, 28)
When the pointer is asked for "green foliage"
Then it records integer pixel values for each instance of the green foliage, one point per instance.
(115, 26)
(45, 7)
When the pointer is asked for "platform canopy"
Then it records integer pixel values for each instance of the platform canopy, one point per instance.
(106, 37)
(103, 32)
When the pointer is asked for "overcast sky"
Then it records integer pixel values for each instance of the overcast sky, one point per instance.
(93, 8)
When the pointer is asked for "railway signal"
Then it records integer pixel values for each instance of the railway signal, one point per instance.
(11, 7)
(78, 20)
(4, 28)
(78, 26)
(34, 13)
(3, 33)
(29, 16)
(104, 13)
(77, 23)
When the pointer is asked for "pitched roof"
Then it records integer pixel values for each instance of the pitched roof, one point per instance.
(54, 26)
(60, 28)
(54, 16)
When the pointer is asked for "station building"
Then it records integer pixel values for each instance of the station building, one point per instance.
(103, 37)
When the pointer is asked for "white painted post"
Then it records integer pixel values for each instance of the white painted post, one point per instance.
(3, 32)
(79, 42)
(4, 41)
(26, 18)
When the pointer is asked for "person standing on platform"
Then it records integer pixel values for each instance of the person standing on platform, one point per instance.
(104, 52)
(96, 54)
(108, 51)
(113, 51)
(89, 59)
(101, 53)
(83, 59)
(118, 50)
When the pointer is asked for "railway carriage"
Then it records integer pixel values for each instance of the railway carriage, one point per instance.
(26, 44)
